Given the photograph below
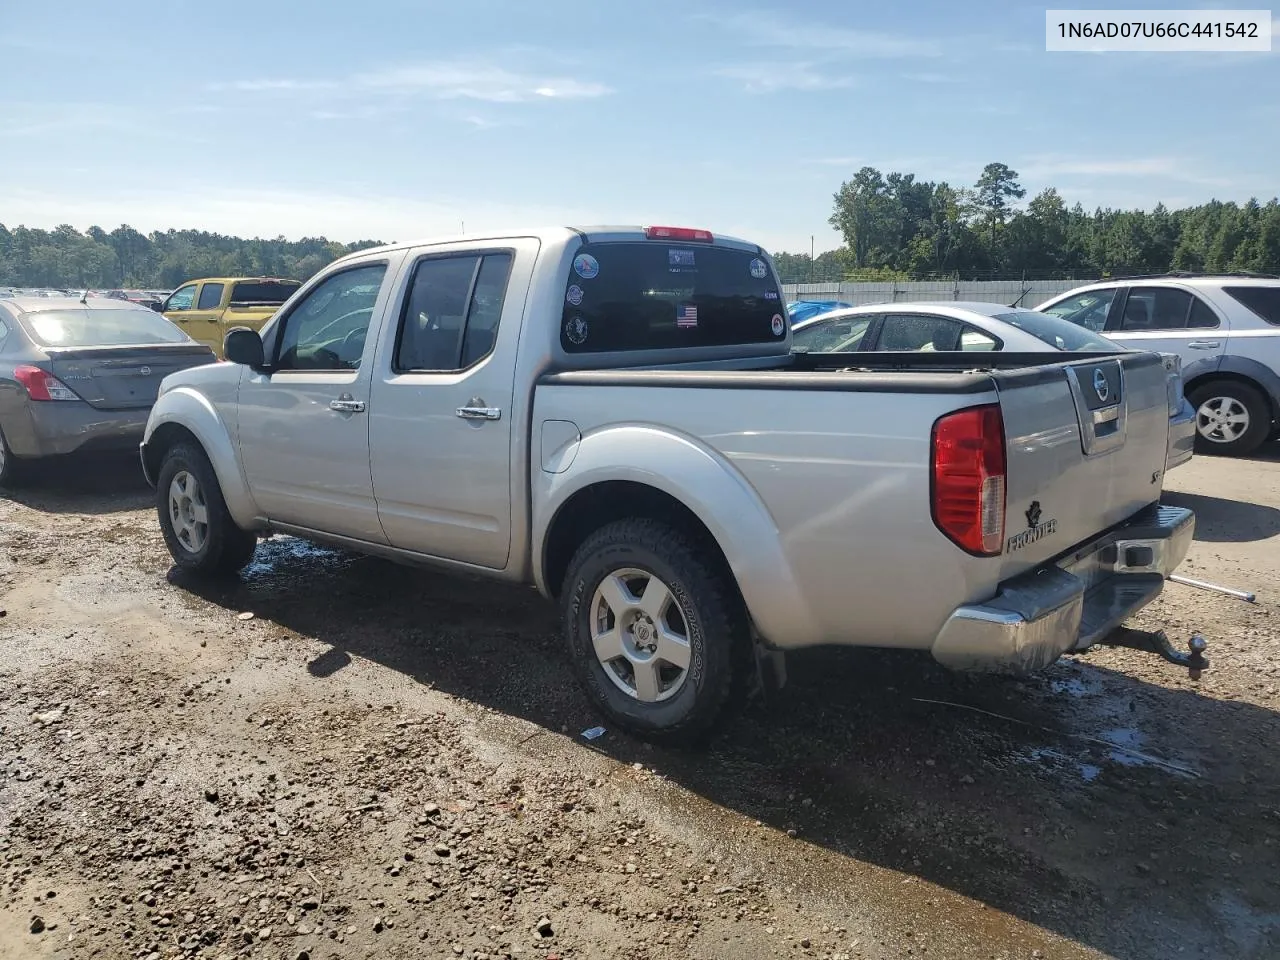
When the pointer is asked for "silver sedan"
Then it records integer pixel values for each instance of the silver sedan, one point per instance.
(81, 374)
(977, 326)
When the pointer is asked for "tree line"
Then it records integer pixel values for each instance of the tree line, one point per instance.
(125, 258)
(898, 227)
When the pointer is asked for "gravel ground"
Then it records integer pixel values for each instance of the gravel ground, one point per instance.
(335, 757)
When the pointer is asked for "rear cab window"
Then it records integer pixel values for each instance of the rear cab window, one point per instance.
(645, 295)
(262, 293)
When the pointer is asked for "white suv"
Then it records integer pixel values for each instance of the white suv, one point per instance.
(1225, 328)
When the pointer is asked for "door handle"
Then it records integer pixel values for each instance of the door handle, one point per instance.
(347, 404)
(477, 411)
(1205, 344)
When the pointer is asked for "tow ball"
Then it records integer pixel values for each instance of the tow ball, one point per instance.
(1156, 642)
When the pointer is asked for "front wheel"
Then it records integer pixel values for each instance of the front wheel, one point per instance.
(1232, 419)
(656, 629)
(197, 528)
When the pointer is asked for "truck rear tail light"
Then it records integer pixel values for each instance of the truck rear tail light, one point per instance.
(687, 234)
(41, 385)
(968, 461)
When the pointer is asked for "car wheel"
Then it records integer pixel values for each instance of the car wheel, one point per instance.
(199, 532)
(10, 465)
(1232, 419)
(656, 629)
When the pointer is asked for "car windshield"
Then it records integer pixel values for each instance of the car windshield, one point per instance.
(1059, 333)
(101, 328)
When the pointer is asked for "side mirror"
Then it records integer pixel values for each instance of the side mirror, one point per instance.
(243, 346)
(156, 305)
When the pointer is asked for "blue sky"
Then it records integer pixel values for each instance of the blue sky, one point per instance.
(393, 119)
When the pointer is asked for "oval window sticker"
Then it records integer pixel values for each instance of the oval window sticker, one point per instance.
(758, 269)
(586, 266)
(779, 326)
(574, 296)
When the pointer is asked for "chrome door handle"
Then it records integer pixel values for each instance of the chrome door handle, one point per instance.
(345, 404)
(479, 412)
(1205, 344)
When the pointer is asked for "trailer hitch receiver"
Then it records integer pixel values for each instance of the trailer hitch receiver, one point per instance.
(1156, 642)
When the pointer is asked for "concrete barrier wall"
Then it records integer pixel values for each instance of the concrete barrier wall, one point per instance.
(1033, 292)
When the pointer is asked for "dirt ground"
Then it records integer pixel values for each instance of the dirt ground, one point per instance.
(335, 757)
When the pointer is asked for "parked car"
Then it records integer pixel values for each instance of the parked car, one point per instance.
(799, 310)
(207, 309)
(81, 374)
(1226, 329)
(615, 415)
(979, 326)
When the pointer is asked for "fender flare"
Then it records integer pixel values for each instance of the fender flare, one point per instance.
(191, 410)
(716, 492)
(1258, 372)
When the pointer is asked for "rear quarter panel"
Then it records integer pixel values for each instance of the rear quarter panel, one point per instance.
(819, 499)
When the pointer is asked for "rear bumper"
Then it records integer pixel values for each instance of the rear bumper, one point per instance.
(1182, 436)
(1071, 603)
(59, 427)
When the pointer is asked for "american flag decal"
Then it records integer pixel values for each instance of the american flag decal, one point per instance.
(686, 315)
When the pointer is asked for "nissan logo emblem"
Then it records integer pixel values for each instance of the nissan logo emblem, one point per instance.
(1100, 385)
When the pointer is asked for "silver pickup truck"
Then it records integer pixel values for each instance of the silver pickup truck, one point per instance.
(615, 416)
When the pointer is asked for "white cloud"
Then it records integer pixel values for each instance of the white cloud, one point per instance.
(444, 80)
(1168, 168)
(766, 29)
(772, 77)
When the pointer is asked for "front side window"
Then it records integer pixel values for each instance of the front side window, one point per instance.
(1264, 302)
(210, 296)
(834, 335)
(180, 299)
(1088, 310)
(450, 317)
(1155, 308)
(327, 329)
(664, 295)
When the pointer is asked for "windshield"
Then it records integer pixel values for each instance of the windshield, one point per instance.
(270, 293)
(101, 328)
(658, 295)
(1059, 333)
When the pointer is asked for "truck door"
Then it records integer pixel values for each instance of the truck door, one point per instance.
(201, 321)
(443, 432)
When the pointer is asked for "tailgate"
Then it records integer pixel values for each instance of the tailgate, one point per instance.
(1086, 444)
(118, 378)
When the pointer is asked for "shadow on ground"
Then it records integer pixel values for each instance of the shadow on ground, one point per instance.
(1138, 820)
(1219, 520)
(83, 483)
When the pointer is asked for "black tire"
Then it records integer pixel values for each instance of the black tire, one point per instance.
(225, 548)
(706, 596)
(11, 468)
(1254, 403)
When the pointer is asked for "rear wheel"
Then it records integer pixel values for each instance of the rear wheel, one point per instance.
(197, 528)
(10, 466)
(1232, 418)
(656, 629)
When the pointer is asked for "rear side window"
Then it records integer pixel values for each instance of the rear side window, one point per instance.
(210, 296)
(1262, 301)
(1088, 310)
(450, 317)
(262, 293)
(658, 295)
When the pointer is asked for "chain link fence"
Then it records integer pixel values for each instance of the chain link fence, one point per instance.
(1025, 293)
